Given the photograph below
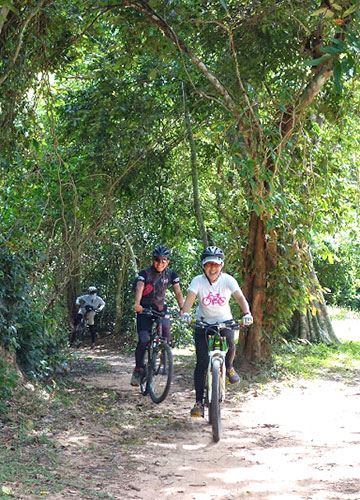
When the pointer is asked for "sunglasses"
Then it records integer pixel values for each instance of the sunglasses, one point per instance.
(163, 261)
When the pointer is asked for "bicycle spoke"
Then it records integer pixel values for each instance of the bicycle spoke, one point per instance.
(161, 372)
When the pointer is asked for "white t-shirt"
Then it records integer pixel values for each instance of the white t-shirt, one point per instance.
(214, 299)
(90, 299)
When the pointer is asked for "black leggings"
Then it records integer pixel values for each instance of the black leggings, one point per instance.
(144, 326)
(202, 357)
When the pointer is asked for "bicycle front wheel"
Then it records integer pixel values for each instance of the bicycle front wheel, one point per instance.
(144, 381)
(206, 398)
(215, 409)
(78, 335)
(160, 373)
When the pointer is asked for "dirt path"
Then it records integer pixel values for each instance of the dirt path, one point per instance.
(280, 442)
(98, 437)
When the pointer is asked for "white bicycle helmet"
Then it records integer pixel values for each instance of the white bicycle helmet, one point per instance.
(212, 254)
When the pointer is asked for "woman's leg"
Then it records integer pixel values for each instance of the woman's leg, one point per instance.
(202, 361)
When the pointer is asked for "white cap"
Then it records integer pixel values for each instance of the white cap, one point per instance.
(216, 260)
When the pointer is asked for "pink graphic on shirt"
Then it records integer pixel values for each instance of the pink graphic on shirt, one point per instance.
(212, 299)
(148, 289)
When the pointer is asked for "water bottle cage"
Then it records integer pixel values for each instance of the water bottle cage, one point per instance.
(217, 343)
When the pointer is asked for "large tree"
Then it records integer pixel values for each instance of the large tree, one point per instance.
(280, 36)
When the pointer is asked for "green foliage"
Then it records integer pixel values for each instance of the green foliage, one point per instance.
(94, 139)
(24, 329)
(338, 266)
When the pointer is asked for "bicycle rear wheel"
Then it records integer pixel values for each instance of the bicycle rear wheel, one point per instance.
(161, 372)
(215, 409)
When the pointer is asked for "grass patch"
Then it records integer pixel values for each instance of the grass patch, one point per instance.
(316, 360)
(341, 313)
(39, 453)
(72, 438)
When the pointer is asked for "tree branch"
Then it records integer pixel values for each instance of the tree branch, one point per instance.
(20, 42)
(3, 15)
(144, 7)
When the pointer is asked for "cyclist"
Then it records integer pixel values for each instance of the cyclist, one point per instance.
(97, 303)
(151, 285)
(213, 289)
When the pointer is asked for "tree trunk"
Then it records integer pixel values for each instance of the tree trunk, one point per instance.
(253, 345)
(10, 359)
(73, 270)
(194, 173)
(4, 11)
(315, 324)
(119, 298)
(131, 251)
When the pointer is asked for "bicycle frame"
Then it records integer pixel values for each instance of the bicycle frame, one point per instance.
(216, 354)
(216, 374)
(78, 334)
(158, 317)
(84, 320)
(217, 349)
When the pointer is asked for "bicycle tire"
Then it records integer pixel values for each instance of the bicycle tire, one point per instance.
(78, 335)
(160, 372)
(215, 408)
(206, 398)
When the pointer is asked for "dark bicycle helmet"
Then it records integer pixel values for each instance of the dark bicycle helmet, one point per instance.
(92, 289)
(161, 251)
(212, 254)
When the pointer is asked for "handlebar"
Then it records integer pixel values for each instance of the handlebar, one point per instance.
(158, 314)
(233, 324)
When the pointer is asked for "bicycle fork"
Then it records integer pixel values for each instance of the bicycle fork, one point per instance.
(218, 356)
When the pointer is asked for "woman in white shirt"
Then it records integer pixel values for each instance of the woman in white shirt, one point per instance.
(213, 289)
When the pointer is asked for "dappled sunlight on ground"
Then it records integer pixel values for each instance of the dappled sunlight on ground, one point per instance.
(281, 440)
(296, 442)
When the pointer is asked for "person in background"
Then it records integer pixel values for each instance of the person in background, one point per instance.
(213, 289)
(151, 285)
(96, 303)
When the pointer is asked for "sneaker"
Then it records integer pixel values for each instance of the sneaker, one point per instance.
(197, 411)
(232, 376)
(135, 378)
(92, 345)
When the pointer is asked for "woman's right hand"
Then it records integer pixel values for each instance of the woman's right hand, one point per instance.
(186, 318)
(138, 309)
